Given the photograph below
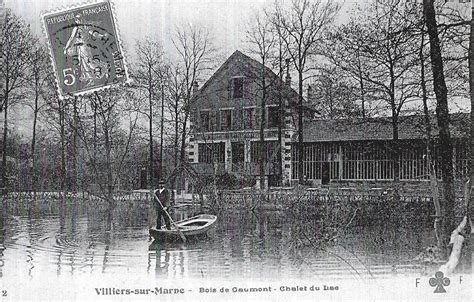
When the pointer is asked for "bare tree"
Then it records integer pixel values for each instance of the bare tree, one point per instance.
(471, 87)
(117, 122)
(15, 51)
(38, 82)
(301, 28)
(54, 114)
(176, 107)
(262, 41)
(381, 34)
(149, 75)
(336, 94)
(442, 114)
(196, 55)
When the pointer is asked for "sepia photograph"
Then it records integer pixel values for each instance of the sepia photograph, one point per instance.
(236, 150)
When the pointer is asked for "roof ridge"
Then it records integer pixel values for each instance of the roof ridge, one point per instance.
(237, 52)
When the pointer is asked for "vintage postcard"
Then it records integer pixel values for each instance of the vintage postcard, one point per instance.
(236, 150)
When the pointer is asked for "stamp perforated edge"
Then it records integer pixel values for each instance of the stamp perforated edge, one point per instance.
(65, 8)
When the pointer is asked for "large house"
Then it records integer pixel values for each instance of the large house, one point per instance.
(226, 120)
(225, 134)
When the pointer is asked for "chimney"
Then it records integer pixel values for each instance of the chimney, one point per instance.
(195, 87)
(288, 77)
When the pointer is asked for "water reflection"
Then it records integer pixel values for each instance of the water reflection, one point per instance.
(71, 237)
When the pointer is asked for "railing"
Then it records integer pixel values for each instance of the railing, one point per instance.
(246, 168)
(280, 199)
(118, 195)
(270, 168)
(45, 194)
(209, 168)
(409, 169)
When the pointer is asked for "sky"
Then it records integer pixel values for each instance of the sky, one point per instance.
(136, 19)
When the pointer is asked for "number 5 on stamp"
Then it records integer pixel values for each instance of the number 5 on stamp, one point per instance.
(85, 49)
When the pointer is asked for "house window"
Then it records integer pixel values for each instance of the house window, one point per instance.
(273, 116)
(249, 116)
(237, 88)
(226, 119)
(212, 152)
(204, 117)
(238, 156)
(270, 152)
(270, 157)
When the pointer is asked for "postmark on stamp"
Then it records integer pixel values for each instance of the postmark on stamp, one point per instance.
(85, 49)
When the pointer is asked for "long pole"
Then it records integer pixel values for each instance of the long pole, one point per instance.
(171, 219)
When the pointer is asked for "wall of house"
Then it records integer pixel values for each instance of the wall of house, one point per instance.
(217, 95)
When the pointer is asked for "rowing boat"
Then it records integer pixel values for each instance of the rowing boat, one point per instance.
(191, 227)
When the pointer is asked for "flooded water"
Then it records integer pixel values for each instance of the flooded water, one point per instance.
(84, 239)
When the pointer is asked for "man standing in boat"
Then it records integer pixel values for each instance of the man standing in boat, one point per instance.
(162, 204)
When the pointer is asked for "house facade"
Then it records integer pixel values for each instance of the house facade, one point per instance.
(226, 119)
(225, 135)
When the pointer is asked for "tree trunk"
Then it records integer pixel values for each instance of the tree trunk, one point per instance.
(151, 174)
(470, 210)
(361, 86)
(176, 149)
(63, 146)
(262, 149)
(110, 180)
(33, 145)
(176, 136)
(442, 114)
(4, 147)
(301, 175)
(150, 103)
(182, 152)
(182, 155)
(280, 120)
(74, 149)
(395, 149)
(95, 129)
(161, 130)
(429, 145)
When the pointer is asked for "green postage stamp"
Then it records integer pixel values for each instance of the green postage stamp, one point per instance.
(85, 49)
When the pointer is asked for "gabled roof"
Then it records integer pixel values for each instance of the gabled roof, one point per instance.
(255, 65)
(410, 127)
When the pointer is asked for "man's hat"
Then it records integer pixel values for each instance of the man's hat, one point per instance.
(162, 182)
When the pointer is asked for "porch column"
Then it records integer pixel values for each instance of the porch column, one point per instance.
(247, 156)
(228, 155)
